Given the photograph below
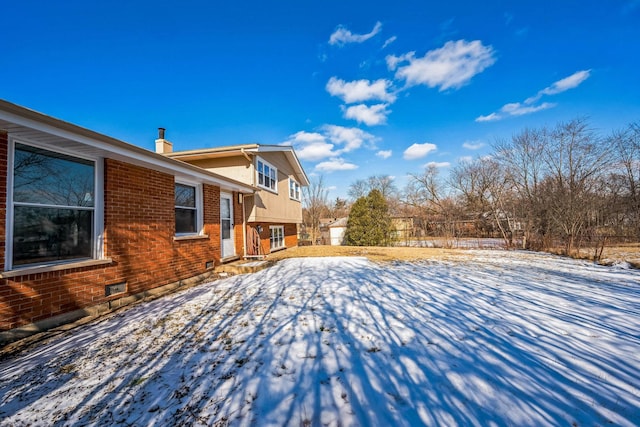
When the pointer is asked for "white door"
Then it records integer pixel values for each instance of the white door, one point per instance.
(226, 226)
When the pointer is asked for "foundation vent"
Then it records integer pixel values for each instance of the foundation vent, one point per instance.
(116, 288)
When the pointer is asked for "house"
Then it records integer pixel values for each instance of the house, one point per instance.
(332, 231)
(402, 227)
(273, 213)
(87, 220)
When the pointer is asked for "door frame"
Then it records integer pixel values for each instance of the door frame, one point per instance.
(230, 250)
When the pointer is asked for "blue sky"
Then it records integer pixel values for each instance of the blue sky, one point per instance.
(359, 88)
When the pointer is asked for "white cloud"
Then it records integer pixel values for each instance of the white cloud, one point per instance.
(303, 137)
(388, 41)
(449, 67)
(567, 83)
(361, 90)
(342, 36)
(528, 107)
(384, 154)
(370, 115)
(335, 164)
(561, 85)
(488, 118)
(518, 109)
(437, 165)
(315, 151)
(417, 151)
(350, 138)
(465, 159)
(393, 61)
(310, 146)
(473, 145)
(329, 142)
(515, 109)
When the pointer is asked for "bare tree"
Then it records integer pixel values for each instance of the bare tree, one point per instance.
(340, 208)
(523, 158)
(357, 189)
(626, 148)
(486, 189)
(315, 206)
(576, 159)
(436, 210)
(384, 184)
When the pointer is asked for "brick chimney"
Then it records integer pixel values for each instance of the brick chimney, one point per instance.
(162, 145)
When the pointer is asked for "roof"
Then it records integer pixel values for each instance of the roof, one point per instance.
(244, 150)
(30, 125)
(334, 222)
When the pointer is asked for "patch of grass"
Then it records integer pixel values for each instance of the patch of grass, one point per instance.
(137, 381)
(622, 252)
(378, 254)
(67, 369)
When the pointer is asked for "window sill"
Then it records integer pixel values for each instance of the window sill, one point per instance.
(54, 267)
(190, 237)
(270, 190)
(278, 249)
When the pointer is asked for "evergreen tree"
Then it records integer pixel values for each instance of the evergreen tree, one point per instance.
(369, 222)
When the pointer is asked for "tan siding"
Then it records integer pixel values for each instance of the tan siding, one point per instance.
(266, 206)
(271, 207)
(237, 168)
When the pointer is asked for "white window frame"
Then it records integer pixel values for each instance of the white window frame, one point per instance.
(199, 208)
(260, 174)
(278, 242)
(97, 251)
(294, 190)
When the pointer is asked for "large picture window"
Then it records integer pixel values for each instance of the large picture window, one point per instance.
(267, 176)
(53, 206)
(186, 209)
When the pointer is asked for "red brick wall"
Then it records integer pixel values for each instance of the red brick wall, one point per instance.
(290, 235)
(4, 145)
(138, 237)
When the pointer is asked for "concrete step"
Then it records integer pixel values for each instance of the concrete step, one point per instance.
(243, 267)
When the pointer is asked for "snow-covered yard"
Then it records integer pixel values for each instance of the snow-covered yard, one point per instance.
(494, 338)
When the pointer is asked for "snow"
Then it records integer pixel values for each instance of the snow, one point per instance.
(494, 338)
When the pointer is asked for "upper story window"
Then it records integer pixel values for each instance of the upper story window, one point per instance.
(294, 189)
(188, 209)
(267, 175)
(52, 207)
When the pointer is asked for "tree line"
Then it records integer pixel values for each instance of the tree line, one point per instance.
(565, 186)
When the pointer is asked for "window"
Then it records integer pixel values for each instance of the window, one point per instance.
(187, 215)
(267, 176)
(52, 207)
(294, 189)
(276, 237)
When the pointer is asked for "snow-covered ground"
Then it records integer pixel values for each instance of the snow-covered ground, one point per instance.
(494, 339)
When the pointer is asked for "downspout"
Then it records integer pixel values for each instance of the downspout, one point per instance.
(244, 205)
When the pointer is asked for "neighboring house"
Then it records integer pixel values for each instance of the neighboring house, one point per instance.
(86, 219)
(402, 227)
(332, 231)
(274, 211)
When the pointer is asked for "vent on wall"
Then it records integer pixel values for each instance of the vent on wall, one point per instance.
(208, 264)
(116, 288)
